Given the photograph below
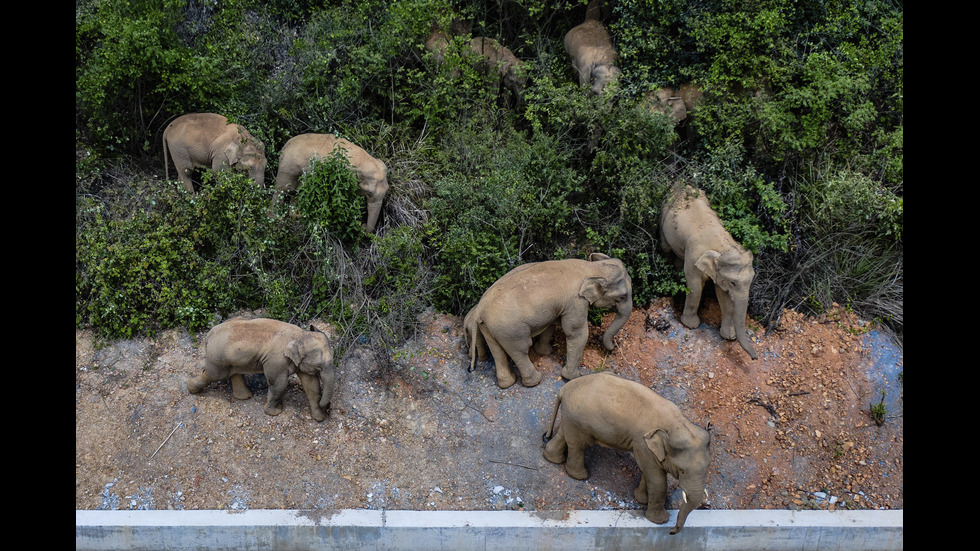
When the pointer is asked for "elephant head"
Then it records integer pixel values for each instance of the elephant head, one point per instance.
(684, 454)
(245, 152)
(732, 273)
(609, 287)
(312, 356)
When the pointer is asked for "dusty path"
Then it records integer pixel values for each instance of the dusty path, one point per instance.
(427, 435)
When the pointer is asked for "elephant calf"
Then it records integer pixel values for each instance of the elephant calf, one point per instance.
(604, 409)
(692, 231)
(592, 55)
(272, 347)
(207, 140)
(675, 103)
(522, 307)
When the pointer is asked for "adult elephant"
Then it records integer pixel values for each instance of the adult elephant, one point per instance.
(604, 409)
(207, 140)
(692, 231)
(275, 348)
(522, 307)
(593, 56)
(372, 174)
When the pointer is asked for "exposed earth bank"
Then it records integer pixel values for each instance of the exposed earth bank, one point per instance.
(790, 430)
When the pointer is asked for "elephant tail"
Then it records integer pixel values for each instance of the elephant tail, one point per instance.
(166, 156)
(471, 328)
(554, 415)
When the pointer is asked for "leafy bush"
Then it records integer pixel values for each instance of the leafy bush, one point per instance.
(328, 197)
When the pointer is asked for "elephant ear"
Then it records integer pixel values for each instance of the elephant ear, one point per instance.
(656, 440)
(595, 257)
(708, 263)
(593, 288)
(231, 153)
(294, 351)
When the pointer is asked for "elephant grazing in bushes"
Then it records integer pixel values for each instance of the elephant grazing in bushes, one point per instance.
(691, 229)
(272, 347)
(207, 140)
(604, 409)
(523, 306)
(372, 174)
(593, 56)
(675, 103)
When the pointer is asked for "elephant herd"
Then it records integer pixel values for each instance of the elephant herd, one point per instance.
(521, 309)
(208, 140)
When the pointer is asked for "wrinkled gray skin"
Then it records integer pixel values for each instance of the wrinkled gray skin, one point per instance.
(206, 140)
(692, 231)
(593, 56)
(372, 174)
(522, 307)
(277, 349)
(604, 409)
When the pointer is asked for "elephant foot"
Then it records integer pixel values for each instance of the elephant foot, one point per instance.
(505, 381)
(691, 320)
(657, 515)
(318, 415)
(554, 457)
(577, 473)
(544, 349)
(727, 333)
(195, 385)
(568, 373)
(532, 380)
(242, 394)
(273, 411)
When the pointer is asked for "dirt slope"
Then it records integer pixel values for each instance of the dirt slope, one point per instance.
(790, 430)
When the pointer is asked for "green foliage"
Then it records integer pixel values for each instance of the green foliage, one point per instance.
(328, 198)
(798, 142)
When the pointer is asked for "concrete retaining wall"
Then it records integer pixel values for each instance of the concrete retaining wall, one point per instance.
(287, 530)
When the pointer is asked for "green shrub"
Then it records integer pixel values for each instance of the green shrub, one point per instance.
(328, 197)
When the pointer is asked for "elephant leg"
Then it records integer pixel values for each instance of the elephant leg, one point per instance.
(727, 328)
(556, 449)
(640, 493)
(311, 386)
(575, 459)
(530, 376)
(576, 335)
(277, 388)
(197, 384)
(693, 302)
(655, 492)
(542, 343)
(239, 388)
(505, 379)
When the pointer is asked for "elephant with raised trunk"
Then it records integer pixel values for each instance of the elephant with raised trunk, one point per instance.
(522, 307)
(299, 152)
(617, 413)
(207, 140)
(275, 348)
(692, 231)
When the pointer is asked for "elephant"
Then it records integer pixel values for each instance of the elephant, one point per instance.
(523, 306)
(495, 58)
(593, 56)
(372, 174)
(602, 408)
(692, 231)
(207, 140)
(675, 103)
(492, 57)
(275, 348)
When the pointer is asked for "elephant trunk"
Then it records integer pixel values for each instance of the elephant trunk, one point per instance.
(328, 377)
(741, 332)
(623, 311)
(691, 502)
(373, 212)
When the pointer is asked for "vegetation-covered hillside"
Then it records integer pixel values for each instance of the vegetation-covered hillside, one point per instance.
(798, 141)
